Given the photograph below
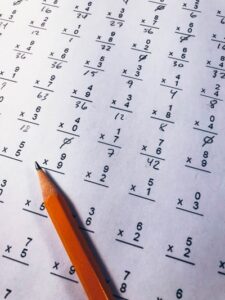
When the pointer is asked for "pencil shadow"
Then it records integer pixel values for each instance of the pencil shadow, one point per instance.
(74, 212)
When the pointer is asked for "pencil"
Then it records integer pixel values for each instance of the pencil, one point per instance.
(82, 258)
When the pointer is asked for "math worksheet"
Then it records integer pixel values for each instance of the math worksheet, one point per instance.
(122, 102)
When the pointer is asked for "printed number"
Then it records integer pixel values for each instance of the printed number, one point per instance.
(123, 287)
(60, 163)
(21, 145)
(89, 219)
(42, 206)
(154, 163)
(24, 252)
(179, 294)
(2, 185)
(188, 250)
(127, 273)
(103, 176)
(71, 270)
(8, 291)
(28, 241)
(137, 235)
(196, 202)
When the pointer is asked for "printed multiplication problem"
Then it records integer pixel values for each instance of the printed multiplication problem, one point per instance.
(183, 256)
(194, 204)
(22, 254)
(100, 178)
(13, 154)
(123, 288)
(57, 166)
(61, 273)
(38, 210)
(89, 220)
(154, 158)
(221, 16)
(83, 10)
(112, 142)
(8, 15)
(133, 238)
(145, 191)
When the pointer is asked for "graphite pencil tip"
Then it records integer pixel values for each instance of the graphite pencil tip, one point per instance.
(37, 166)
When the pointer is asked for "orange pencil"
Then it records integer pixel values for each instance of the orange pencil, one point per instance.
(74, 243)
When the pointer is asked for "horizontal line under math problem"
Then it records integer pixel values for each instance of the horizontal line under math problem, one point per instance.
(185, 34)
(71, 34)
(82, 99)
(180, 259)
(163, 120)
(67, 132)
(119, 297)
(131, 77)
(221, 273)
(179, 59)
(16, 260)
(6, 20)
(21, 51)
(10, 157)
(215, 68)
(52, 5)
(111, 145)
(207, 131)
(85, 229)
(63, 277)
(149, 26)
(130, 244)
(52, 170)
(190, 9)
(82, 12)
(37, 27)
(160, 3)
(171, 87)
(97, 183)
(122, 109)
(42, 88)
(92, 68)
(26, 121)
(221, 16)
(153, 156)
(214, 40)
(140, 50)
(58, 59)
(34, 212)
(190, 211)
(141, 197)
(115, 19)
(198, 169)
(103, 42)
(7, 79)
(211, 97)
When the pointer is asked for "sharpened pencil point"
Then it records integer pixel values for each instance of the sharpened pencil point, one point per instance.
(37, 166)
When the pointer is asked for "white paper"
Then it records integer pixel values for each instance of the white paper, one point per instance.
(123, 103)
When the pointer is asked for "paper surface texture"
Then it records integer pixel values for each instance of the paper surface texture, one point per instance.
(122, 102)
